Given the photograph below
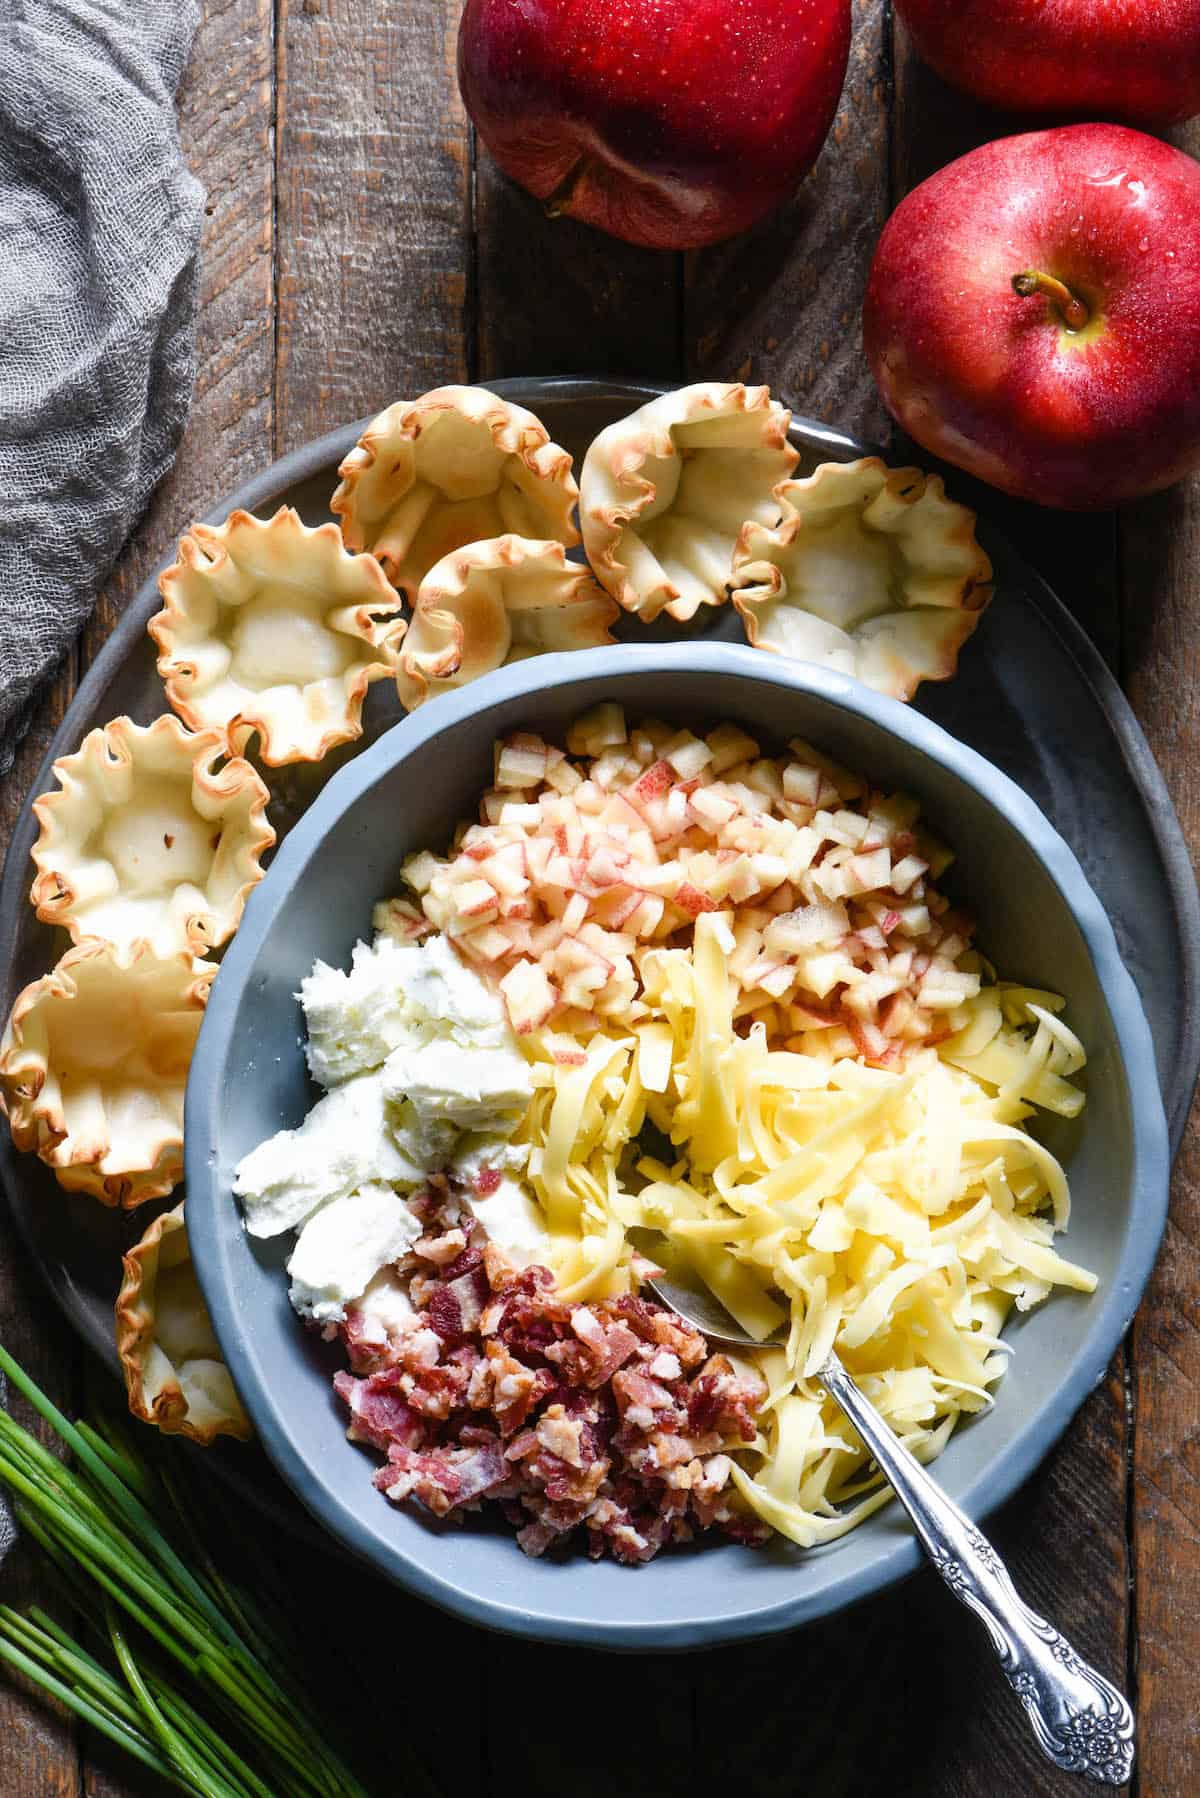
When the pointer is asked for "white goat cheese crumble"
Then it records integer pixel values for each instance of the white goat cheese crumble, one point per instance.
(484, 1150)
(479, 1089)
(395, 996)
(346, 1140)
(385, 1306)
(343, 1246)
(513, 1218)
(508, 1212)
(420, 1063)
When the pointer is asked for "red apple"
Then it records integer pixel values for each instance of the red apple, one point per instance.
(1130, 59)
(1033, 314)
(671, 123)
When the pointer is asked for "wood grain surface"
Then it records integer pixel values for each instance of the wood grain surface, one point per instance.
(358, 248)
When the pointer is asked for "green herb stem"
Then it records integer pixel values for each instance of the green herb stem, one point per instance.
(206, 1739)
(102, 1525)
(131, 1507)
(91, 1713)
(170, 1742)
(66, 1657)
(124, 1470)
(112, 1587)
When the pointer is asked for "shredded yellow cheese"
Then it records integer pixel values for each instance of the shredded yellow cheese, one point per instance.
(898, 1214)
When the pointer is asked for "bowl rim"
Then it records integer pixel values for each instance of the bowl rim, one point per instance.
(1115, 1304)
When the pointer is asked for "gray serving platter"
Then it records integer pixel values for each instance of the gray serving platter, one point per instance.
(1031, 694)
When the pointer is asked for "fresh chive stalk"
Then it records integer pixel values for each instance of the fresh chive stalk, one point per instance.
(186, 1659)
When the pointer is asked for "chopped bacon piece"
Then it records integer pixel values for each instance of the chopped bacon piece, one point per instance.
(443, 1313)
(597, 1354)
(570, 1416)
(369, 1345)
(378, 1414)
(444, 1479)
(720, 1402)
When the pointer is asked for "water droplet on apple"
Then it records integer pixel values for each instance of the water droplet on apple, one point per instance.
(1144, 244)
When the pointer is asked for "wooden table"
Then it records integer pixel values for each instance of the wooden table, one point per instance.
(357, 249)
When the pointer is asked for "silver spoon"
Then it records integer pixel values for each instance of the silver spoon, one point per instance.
(1082, 1723)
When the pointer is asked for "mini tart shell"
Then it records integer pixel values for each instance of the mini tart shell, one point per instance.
(221, 821)
(494, 602)
(665, 493)
(109, 1120)
(456, 466)
(174, 1375)
(872, 571)
(282, 589)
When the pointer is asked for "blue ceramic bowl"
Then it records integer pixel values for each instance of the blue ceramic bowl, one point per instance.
(1038, 919)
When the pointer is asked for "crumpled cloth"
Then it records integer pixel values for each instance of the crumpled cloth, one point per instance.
(99, 226)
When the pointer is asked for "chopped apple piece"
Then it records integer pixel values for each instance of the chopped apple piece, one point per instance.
(583, 870)
(598, 729)
(528, 996)
(729, 745)
(521, 765)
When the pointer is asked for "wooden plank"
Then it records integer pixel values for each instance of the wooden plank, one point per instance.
(225, 114)
(373, 224)
(782, 303)
(917, 1723)
(603, 307)
(1160, 547)
(1063, 1539)
(1166, 1510)
(226, 109)
(38, 1751)
(600, 1723)
(903, 1693)
(372, 253)
(1065, 1533)
(607, 308)
(782, 306)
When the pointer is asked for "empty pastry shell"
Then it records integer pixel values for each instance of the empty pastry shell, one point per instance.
(93, 1067)
(151, 835)
(665, 492)
(873, 572)
(458, 465)
(495, 602)
(171, 1359)
(271, 625)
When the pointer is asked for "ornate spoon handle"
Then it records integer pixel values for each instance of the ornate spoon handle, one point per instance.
(1081, 1721)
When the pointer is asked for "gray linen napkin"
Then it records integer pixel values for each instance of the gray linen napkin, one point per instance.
(99, 224)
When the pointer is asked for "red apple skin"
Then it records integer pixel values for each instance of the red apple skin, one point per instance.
(1126, 59)
(686, 120)
(994, 382)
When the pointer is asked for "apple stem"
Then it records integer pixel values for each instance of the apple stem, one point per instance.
(555, 203)
(1035, 280)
